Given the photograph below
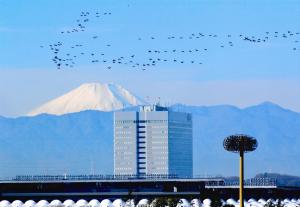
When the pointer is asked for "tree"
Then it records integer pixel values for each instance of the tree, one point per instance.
(216, 202)
(271, 204)
(228, 205)
(172, 202)
(159, 202)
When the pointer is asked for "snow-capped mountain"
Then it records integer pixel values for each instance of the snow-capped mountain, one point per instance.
(90, 96)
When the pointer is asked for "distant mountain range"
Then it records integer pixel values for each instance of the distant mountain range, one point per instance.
(276, 129)
(82, 142)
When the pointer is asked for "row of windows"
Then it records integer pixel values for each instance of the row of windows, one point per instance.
(157, 127)
(171, 122)
(152, 141)
(123, 168)
(155, 154)
(130, 140)
(159, 168)
(139, 121)
(124, 121)
(158, 147)
(179, 122)
(125, 136)
(156, 137)
(125, 127)
(142, 172)
(157, 131)
(124, 132)
(123, 142)
(123, 163)
(151, 121)
(124, 153)
(181, 127)
(121, 147)
(158, 156)
(181, 135)
(124, 146)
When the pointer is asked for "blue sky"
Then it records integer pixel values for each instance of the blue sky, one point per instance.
(242, 75)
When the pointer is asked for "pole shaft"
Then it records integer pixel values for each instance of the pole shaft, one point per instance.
(241, 178)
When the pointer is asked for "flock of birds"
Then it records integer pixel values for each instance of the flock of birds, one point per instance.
(67, 56)
(147, 203)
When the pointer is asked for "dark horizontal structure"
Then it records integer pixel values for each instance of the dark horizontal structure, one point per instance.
(88, 187)
(125, 189)
(256, 192)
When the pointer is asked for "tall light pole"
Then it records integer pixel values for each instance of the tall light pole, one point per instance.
(240, 143)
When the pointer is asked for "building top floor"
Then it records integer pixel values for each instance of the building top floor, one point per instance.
(150, 108)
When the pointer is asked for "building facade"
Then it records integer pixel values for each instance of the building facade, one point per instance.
(153, 141)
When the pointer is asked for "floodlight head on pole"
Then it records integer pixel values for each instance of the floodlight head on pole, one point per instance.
(240, 143)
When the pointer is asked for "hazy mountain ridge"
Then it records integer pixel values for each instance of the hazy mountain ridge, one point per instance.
(83, 142)
(276, 129)
(54, 144)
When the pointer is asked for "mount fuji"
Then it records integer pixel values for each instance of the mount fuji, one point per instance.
(54, 140)
(90, 96)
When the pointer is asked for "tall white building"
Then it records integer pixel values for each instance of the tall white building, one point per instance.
(153, 141)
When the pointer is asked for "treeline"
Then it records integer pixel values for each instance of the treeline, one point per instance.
(282, 180)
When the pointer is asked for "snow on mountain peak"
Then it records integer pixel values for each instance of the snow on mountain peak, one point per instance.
(90, 96)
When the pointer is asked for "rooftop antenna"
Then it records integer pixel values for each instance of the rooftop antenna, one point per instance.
(92, 167)
(148, 100)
